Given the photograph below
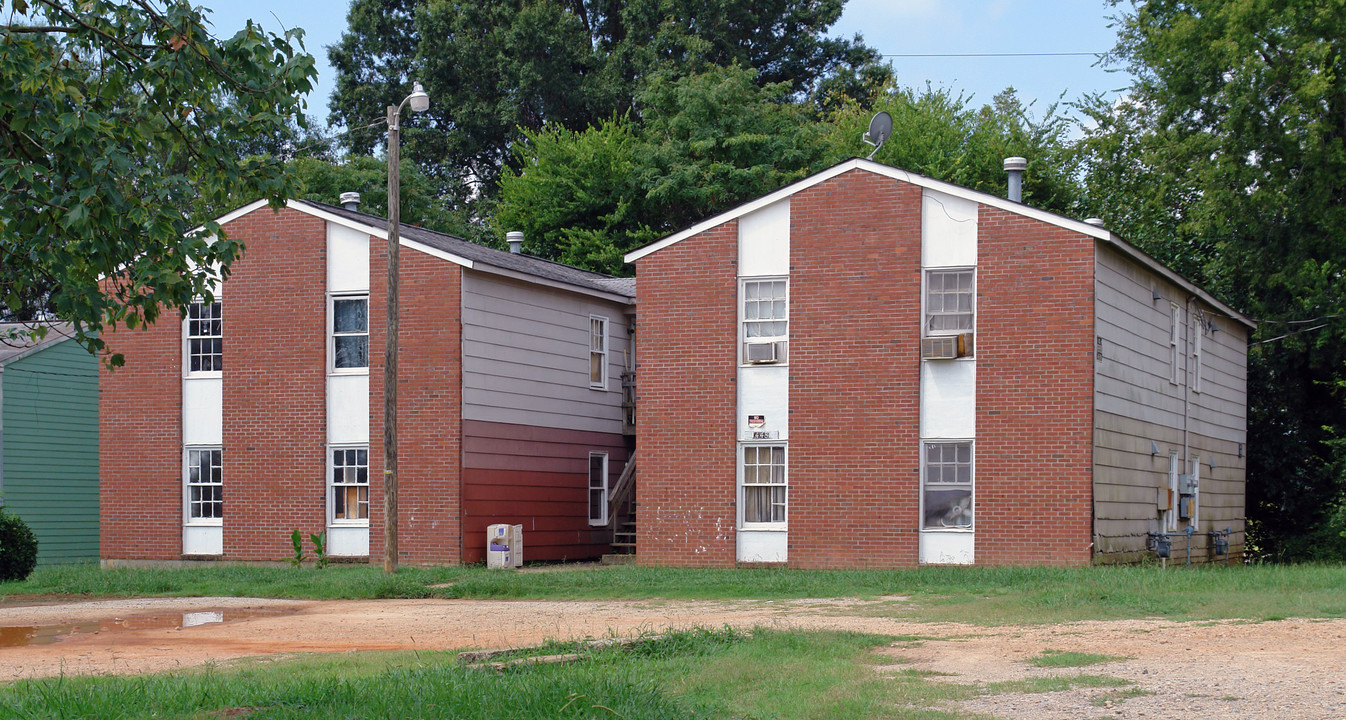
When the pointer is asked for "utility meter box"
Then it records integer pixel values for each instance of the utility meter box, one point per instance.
(504, 546)
(1186, 507)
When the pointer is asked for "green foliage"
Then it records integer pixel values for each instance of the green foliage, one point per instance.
(942, 135)
(319, 540)
(297, 542)
(1228, 159)
(116, 120)
(18, 548)
(498, 69)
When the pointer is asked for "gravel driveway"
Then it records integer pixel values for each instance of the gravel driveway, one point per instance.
(1223, 670)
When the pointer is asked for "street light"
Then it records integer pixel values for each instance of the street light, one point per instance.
(420, 102)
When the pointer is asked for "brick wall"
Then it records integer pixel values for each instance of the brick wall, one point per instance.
(855, 289)
(275, 384)
(1035, 335)
(429, 406)
(140, 444)
(686, 446)
(854, 386)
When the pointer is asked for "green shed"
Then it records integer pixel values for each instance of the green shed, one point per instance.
(49, 442)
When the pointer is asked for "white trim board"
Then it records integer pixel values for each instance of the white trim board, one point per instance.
(1098, 233)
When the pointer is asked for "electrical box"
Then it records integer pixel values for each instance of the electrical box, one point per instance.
(1186, 507)
(1187, 484)
(504, 546)
(1165, 500)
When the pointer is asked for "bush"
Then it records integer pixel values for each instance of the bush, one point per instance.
(18, 548)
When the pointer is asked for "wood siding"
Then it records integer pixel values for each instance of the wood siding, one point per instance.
(1137, 407)
(537, 477)
(526, 356)
(50, 418)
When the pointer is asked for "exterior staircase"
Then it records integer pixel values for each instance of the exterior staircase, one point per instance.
(622, 516)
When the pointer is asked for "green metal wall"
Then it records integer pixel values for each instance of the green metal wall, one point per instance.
(50, 425)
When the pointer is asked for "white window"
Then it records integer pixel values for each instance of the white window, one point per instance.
(598, 488)
(764, 486)
(349, 348)
(205, 338)
(598, 352)
(949, 301)
(350, 485)
(946, 485)
(204, 477)
(766, 320)
(1174, 324)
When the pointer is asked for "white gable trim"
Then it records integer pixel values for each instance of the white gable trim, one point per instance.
(1093, 231)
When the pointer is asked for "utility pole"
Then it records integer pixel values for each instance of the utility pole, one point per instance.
(391, 346)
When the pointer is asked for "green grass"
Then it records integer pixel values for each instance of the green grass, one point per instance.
(701, 674)
(1066, 658)
(987, 596)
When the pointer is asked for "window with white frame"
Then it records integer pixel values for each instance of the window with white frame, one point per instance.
(946, 485)
(949, 301)
(598, 352)
(1171, 514)
(204, 477)
(350, 485)
(1174, 324)
(205, 337)
(764, 485)
(766, 320)
(350, 332)
(598, 488)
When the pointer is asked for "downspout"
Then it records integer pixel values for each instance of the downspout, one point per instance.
(1187, 392)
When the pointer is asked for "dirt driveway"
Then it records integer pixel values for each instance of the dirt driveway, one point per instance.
(1231, 670)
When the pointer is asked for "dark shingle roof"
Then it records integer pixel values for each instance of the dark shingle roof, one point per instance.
(480, 254)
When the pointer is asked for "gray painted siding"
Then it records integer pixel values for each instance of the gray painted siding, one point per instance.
(1136, 404)
(526, 356)
(50, 411)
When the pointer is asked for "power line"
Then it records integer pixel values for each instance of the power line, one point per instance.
(991, 55)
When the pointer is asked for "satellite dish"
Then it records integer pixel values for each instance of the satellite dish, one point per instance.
(880, 128)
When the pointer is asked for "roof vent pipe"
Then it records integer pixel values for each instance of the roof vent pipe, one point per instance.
(515, 239)
(350, 200)
(1015, 166)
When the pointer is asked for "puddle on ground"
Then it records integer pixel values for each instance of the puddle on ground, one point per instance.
(24, 635)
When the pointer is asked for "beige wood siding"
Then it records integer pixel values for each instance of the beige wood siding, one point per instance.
(526, 356)
(1137, 408)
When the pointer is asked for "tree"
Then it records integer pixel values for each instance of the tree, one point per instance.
(942, 135)
(116, 121)
(324, 181)
(497, 68)
(1235, 119)
(708, 141)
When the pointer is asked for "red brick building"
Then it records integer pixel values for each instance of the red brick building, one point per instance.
(869, 368)
(261, 412)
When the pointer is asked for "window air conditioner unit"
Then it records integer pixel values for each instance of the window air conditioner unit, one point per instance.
(764, 353)
(946, 347)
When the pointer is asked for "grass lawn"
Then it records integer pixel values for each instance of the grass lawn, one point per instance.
(696, 674)
(986, 596)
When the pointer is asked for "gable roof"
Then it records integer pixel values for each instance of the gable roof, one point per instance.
(23, 346)
(467, 254)
(1098, 233)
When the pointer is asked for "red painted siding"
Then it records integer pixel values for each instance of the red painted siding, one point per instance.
(536, 477)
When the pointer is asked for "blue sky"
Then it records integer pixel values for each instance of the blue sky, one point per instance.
(894, 27)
